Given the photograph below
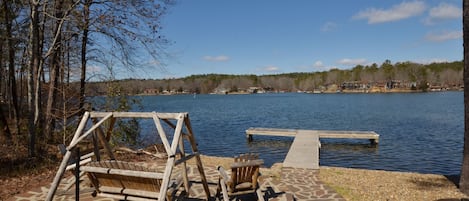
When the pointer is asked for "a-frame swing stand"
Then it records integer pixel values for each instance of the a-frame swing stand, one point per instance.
(178, 121)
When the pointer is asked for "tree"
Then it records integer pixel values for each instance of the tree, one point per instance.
(388, 70)
(356, 72)
(33, 74)
(55, 64)
(7, 19)
(84, 42)
(42, 40)
(464, 180)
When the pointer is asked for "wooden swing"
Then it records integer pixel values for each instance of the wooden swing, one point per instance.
(135, 181)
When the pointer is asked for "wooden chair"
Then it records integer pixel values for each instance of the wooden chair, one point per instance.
(243, 180)
(128, 181)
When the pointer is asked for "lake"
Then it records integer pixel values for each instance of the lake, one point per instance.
(419, 132)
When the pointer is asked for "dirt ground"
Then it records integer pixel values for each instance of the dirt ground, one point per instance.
(18, 173)
(372, 185)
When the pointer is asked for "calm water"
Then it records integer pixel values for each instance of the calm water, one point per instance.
(421, 132)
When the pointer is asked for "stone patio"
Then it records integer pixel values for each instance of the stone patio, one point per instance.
(276, 183)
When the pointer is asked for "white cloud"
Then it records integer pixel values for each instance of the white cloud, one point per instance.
(93, 69)
(155, 62)
(443, 11)
(328, 26)
(318, 64)
(353, 62)
(270, 69)
(444, 36)
(397, 12)
(221, 58)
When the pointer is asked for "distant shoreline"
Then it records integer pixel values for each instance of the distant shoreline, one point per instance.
(308, 92)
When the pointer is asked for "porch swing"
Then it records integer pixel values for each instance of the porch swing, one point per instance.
(126, 180)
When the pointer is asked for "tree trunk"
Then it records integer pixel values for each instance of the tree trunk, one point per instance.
(11, 67)
(464, 180)
(33, 75)
(52, 96)
(56, 62)
(3, 80)
(84, 42)
(4, 129)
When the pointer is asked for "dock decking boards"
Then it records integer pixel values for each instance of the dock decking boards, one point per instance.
(370, 135)
(304, 151)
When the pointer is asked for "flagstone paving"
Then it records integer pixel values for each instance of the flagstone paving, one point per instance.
(282, 184)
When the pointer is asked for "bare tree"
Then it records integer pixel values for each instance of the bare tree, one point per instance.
(118, 28)
(8, 21)
(464, 180)
(84, 43)
(33, 68)
(267, 81)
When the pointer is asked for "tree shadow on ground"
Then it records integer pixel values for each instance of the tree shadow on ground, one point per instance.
(454, 179)
(435, 183)
(270, 193)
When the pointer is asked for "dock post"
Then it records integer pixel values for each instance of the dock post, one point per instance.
(249, 137)
(373, 141)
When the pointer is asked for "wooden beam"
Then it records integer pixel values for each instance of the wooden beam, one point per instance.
(171, 156)
(81, 126)
(184, 164)
(136, 115)
(58, 176)
(103, 139)
(370, 135)
(195, 150)
(272, 131)
(186, 158)
(122, 114)
(162, 134)
(74, 143)
(63, 164)
(123, 172)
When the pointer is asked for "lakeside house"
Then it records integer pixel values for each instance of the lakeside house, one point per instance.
(378, 87)
(344, 87)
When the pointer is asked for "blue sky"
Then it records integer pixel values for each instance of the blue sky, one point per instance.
(271, 37)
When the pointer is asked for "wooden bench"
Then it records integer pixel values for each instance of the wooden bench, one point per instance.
(128, 181)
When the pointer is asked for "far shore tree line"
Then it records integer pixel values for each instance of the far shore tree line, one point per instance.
(401, 76)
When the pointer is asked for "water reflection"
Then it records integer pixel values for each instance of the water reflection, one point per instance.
(270, 149)
(350, 148)
(361, 146)
(270, 144)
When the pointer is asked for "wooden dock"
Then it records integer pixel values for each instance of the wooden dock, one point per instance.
(304, 151)
(369, 135)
